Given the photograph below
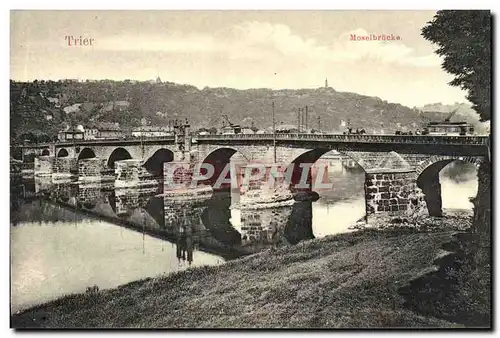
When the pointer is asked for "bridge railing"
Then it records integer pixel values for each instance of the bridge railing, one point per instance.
(341, 138)
(365, 138)
(102, 140)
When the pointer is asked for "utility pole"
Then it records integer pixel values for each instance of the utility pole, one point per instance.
(307, 116)
(303, 119)
(319, 123)
(274, 135)
(298, 120)
(142, 136)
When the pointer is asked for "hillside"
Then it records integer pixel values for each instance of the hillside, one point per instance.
(47, 106)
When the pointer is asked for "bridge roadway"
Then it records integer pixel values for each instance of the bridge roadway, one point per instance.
(459, 145)
(340, 138)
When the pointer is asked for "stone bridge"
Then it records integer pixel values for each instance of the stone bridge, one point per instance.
(402, 172)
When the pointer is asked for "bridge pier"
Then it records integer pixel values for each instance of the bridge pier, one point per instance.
(431, 187)
(54, 167)
(131, 173)
(263, 186)
(65, 167)
(393, 191)
(90, 169)
(178, 175)
(43, 165)
(180, 182)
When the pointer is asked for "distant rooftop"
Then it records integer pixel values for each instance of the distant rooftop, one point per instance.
(152, 128)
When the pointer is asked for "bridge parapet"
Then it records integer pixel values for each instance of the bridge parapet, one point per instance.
(365, 138)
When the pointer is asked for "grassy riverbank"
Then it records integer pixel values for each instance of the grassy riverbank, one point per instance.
(359, 279)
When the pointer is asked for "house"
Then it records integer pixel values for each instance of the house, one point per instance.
(72, 109)
(115, 105)
(109, 131)
(245, 130)
(54, 101)
(73, 134)
(91, 133)
(152, 131)
(61, 135)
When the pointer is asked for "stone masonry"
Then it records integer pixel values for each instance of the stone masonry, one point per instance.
(90, 169)
(265, 226)
(43, 165)
(395, 192)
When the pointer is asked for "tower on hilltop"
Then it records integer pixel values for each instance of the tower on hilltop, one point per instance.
(326, 82)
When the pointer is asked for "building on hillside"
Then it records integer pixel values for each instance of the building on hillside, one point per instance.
(61, 135)
(105, 131)
(54, 101)
(115, 106)
(71, 134)
(91, 133)
(246, 130)
(110, 131)
(73, 108)
(152, 131)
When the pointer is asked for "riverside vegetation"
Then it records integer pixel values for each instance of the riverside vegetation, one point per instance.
(399, 277)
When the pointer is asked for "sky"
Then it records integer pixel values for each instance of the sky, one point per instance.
(237, 49)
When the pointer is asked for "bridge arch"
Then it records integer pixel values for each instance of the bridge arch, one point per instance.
(216, 217)
(312, 156)
(154, 164)
(220, 159)
(86, 153)
(46, 152)
(62, 153)
(118, 154)
(428, 180)
(476, 160)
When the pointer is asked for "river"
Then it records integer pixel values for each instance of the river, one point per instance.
(66, 237)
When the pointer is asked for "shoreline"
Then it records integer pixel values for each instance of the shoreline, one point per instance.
(353, 279)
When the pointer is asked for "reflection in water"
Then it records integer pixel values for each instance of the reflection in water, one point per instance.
(125, 201)
(299, 226)
(217, 218)
(184, 241)
(333, 218)
(58, 258)
(68, 236)
(184, 221)
(263, 227)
